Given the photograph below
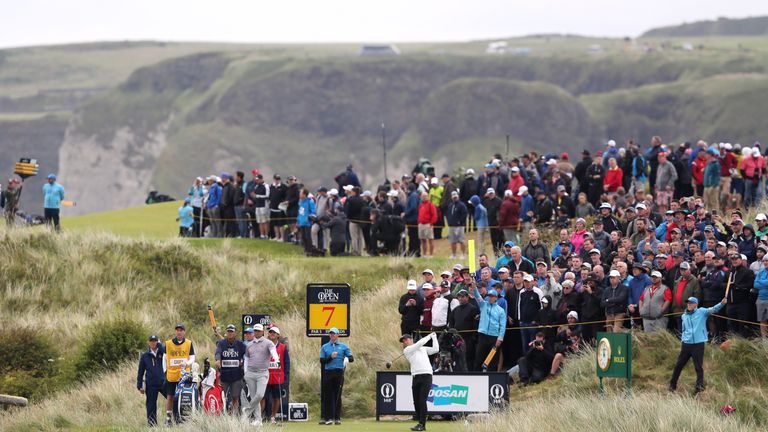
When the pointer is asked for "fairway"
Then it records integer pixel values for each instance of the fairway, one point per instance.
(363, 425)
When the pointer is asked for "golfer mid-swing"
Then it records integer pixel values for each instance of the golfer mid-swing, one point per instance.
(694, 338)
(421, 373)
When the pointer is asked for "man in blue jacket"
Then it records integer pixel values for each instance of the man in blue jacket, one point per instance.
(694, 338)
(150, 377)
(411, 220)
(490, 331)
(53, 194)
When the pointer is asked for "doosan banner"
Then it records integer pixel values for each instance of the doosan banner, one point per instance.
(450, 393)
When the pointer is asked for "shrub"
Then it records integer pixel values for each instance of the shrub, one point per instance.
(107, 344)
(29, 363)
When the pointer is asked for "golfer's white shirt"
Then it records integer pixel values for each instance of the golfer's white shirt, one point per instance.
(418, 355)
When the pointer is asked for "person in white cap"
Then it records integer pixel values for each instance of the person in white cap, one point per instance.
(527, 207)
(436, 191)
(279, 372)
(761, 230)
(614, 301)
(654, 304)
(467, 188)
(492, 205)
(753, 170)
(410, 307)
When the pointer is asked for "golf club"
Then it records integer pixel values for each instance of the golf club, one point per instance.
(389, 363)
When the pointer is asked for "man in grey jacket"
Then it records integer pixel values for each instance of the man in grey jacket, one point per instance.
(666, 176)
(258, 351)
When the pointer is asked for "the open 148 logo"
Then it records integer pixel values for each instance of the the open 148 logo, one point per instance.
(328, 295)
(448, 395)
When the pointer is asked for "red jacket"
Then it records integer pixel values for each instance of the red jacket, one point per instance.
(727, 163)
(427, 213)
(514, 184)
(613, 179)
(509, 214)
(277, 374)
(698, 171)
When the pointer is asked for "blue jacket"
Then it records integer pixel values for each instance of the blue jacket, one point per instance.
(492, 317)
(761, 283)
(636, 287)
(412, 208)
(695, 324)
(526, 205)
(306, 209)
(186, 216)
(556, 251)
(214, 196)
(341, 349)
(481, 214)
(152, 367)
(53, 193)
(712, 174)
(615, 299)
(456, 214)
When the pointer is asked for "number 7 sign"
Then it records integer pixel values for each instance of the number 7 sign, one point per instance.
(328, 306)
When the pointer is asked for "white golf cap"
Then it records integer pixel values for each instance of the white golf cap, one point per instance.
(258, 327)
(595, 250)
(274, 329)
(587, 265)
(655, 273)
(515, 169)
(507, 193)
(503, 270)
(348, 188)
(551, 162)
(528, 278)
(522, 190)
(433, 181)
(470, 171)
(428, 271)
(611, 143)
(641, 206)
(392, 193)
(614, 273)
(761, 217)
(367, 193)
(544, 300)
(573, 314)
(490, 191)
(755, 151)
(412, 285)
(743, 257)
(728, 146)
(427, 285)
(333, 192)
(445, 273)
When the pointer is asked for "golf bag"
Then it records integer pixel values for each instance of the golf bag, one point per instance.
(186, 398)
(213, 395)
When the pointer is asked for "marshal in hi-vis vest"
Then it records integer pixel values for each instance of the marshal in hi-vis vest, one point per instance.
(175, 355)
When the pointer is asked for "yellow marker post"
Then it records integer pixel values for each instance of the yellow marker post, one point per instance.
(471, 254)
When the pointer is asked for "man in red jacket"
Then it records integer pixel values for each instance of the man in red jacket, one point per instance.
(613, 176)
(278, 372)
(426, 219)
(509, 216)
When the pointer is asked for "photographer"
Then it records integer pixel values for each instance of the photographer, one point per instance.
(536, 365)
(452, 356)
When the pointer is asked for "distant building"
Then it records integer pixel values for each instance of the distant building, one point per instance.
(379, 50)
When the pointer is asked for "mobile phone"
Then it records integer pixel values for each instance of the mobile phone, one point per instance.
(714, 212)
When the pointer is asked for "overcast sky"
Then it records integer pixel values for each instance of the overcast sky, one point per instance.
(35, 22)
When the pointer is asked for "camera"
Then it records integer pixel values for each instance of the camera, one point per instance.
(452, 354)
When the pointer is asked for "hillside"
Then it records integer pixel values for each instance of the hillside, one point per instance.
(137, 116)
(752, 26)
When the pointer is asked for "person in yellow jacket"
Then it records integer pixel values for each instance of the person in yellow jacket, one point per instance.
(435, 197)
(179, 354)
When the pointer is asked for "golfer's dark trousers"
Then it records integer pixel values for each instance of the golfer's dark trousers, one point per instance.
(420, 387)
(484, 345)
(413, 241)
(688, 351)
(331, 394)
(152, 393)
(51, 216)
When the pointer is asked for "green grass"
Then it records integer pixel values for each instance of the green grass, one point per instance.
(156, 221)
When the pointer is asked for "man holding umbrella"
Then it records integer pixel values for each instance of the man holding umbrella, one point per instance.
(694, 338)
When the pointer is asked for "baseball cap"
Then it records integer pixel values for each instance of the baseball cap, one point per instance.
(453, 193)
(490, 191)
(231, 327)
(515, 169)
(573, 314)
(348, 188)
(462, 293)
(709, 228)
(761, 217)
(641, 206)
(445, 273)
(693, 300)
(405, 336)
(428, 271)
(153, 338)
(528, 278)
(655, 274)
(457, 267)
(721, 243)
(333, 192)
(522, 190)
(258, 327)
(614, 273)
(180, 326)
(433, 181)
(333, 330)
(545, 300)
(427, 286)
(551, 162)
(255, 171)
(470, 171)
(685, 266)
(611, 143)
(493, 293)
(274, 329)
(560, 188)
(503, 270)
(743, 257)
(509, 243)
(51, 176)
(322, 189)
(595, 250)
(411, 285)
(605, 205)
(587, 265)
(367, 193)
(445, 284)
(249, 330)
